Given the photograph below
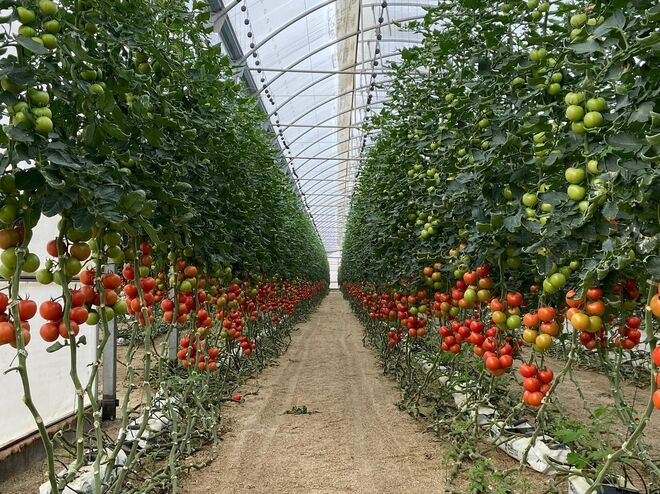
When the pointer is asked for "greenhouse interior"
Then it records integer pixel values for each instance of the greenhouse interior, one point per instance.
(330, 246)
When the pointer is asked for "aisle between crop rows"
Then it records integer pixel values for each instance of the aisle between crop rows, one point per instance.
(355, 439)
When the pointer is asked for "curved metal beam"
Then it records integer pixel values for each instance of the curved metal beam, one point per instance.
(334, 42)
(285, 26)
(311, 85)
(333, 98)
(386, 100)
(337, 144)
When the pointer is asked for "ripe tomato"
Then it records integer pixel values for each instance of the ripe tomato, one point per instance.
(531, 384)
(49, 332)
(531, 320)
(51, 311)
(656, 356)
(546, 375)
(570, 301)
(64, 333)
(7, 333)
(656, 399)
(111, 281)
(87, 277)
(4, 301)
(595, 308)
(27, 309)
(79, 315)
(493, 363)
(594, 293)
(528, 370)
(546, 314)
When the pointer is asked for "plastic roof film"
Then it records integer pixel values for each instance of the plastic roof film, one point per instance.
(320, 69)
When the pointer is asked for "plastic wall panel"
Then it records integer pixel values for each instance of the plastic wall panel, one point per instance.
(52, 389)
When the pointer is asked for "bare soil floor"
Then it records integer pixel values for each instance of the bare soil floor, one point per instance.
(356, 439)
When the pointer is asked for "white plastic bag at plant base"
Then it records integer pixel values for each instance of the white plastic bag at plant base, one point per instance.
(580, 485)
(84, 482)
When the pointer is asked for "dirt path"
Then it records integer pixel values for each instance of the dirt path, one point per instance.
(359, 441)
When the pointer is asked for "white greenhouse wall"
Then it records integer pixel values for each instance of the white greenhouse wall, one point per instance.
(51, 386)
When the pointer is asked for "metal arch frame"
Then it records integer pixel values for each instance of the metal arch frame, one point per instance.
(314, 83)
(316, 156)
(330, 100)
(291, 22)
(386, 100)
(333, 145)
(334, 42)
(331, 158)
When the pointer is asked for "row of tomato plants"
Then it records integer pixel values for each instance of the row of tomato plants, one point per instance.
(123, 119)
(509, 205)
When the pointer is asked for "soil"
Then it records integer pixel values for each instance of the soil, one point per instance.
(355, 439)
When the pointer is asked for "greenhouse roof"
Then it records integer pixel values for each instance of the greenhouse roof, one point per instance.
(320, 70)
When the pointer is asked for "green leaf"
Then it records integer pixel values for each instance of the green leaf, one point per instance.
(590, 46)
(625, 141)
(616, 21)
(31, 45)
(55, 347)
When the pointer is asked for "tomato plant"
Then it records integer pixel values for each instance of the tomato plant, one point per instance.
(526, 140)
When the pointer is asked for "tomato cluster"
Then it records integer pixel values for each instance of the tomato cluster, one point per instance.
(26, 309)
(536, 383)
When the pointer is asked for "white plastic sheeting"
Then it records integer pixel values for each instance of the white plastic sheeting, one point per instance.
(327, 109)
(52, 390)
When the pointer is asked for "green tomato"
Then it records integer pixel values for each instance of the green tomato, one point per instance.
(544, 7)
(6, 272)
(558, 280)
(120, 307)
(26, 16)
(530, 200)
(31, 263)
(44, 276)
(8, 213)
(43, 125)
(93, 318)
(554, 89)
(109, 313)
(52, 26)
(596, 104)
(449, 97)
(508, 195)
(566, 271)
(144, 271)
(8, 258)
(574, 113)
(592, 166)
(144, 68)
(112, 238)
(548, 287)
(583, 206)
(185, 286)
(547, 207)
(72, 266)
(483, 123)
(42, 112)
(96, 89)
(574, 175)
(21, 119)
(518, 81)
(49, 41)
(556, 77)
(27, 31)
(47, 7)
(576, 192)
(38, 97)
(536, 15)
(578, 128)
(574, 265)
(513, 321)
(10, 86)
(593, 119)
(578, 20)
(574, 98)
